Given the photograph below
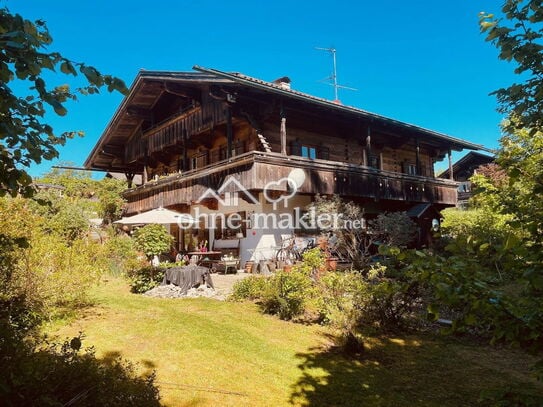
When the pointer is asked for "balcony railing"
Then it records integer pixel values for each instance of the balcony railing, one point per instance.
(254, 170)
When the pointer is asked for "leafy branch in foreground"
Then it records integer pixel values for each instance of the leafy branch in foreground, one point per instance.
(25, 136)
(518, 37)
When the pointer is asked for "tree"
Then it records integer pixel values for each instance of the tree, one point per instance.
(25, 136)
(153, 240)
(355, 240)
(102, 198)
(518, 37)
(111, 201)
(511, 313)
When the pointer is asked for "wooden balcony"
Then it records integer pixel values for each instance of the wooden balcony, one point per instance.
(254, 170)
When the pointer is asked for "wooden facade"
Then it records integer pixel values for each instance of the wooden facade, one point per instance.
(186, 132)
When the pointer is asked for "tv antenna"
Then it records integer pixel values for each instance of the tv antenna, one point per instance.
(333, 77)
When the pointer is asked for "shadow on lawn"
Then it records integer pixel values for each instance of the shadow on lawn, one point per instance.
(114, 356)
(398, 372)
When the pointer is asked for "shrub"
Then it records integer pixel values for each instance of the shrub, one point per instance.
(482, 234)
(69, 221)
(336, 294)
(143, 279)
(313, 261)
(122, 255)
(49, 264)
(338, 302)
(250, 288)
(286, 294)
(37, 373)
(392, 306)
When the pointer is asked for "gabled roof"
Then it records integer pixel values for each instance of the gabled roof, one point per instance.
(278, 89)
(464, 167)
(148, 86)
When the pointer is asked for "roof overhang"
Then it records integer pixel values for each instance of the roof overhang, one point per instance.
(148, 86)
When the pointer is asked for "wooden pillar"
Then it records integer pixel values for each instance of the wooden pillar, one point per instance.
(417, 157)
(185, 158)
(451, 175)
(144, 175)
(228, 132)
(283, 132)
(368, 147)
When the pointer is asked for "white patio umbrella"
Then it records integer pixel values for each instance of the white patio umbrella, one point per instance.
(159, 215)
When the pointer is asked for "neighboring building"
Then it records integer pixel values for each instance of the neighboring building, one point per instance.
(190, 134)
(462, 170)
(131, 179)
(59, 189)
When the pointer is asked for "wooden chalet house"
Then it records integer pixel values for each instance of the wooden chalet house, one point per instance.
(462, 170)
(188, 133)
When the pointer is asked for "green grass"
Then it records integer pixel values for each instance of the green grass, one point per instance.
(211, 353)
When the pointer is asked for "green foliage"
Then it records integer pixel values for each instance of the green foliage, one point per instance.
(521, 156)
(69, 221)
(35, 263)
(517, 34)
(81, 190)
(26, 137)
(509, 396)
(111, 200)
(153, 239)
(145, 278)
(482, 234)
(77, 184)
(50, 263)
(313, 260)
(512, 314)
(394, 229)
(251, 288)
(121, 254)
(357, 242)
(40, 373)
(41, 275)
(338, 297)
(286, 294)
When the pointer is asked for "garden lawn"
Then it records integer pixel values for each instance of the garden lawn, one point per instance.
(211, 353)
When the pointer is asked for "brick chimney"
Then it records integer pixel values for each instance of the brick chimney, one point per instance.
(283, 82)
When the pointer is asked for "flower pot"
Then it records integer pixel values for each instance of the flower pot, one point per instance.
(331, 263)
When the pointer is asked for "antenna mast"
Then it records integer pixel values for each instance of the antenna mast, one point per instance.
(333, 78)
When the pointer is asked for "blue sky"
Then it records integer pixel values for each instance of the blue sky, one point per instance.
(423, 62)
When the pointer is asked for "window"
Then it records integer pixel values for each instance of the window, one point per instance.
(309, 152)
(412, 169)
(373, 161)
(409, 168)
(230, 225)
(199, 160)
(464, 186)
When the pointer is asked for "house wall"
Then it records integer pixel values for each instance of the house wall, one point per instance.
(260, 241)
(333, 141)
(351, 148)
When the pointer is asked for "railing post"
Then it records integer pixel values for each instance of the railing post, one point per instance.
(451, 175)
(228, 132)
(367, 150)
(283, 132)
